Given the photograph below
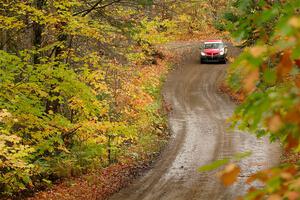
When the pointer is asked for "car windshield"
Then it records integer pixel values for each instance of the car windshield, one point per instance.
(213, 46)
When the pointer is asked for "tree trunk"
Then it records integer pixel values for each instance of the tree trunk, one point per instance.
(37, 32)
(4, 40)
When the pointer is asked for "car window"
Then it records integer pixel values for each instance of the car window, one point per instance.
(213, 46)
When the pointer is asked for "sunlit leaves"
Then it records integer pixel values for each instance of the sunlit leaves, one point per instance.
(14, 156)
(10, 23)
(82, 96)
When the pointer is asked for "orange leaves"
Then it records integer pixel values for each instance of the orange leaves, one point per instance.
(281, 183)
(292, 142)
(289, 173)
(285, 66)
(230, 174)
(274, 197)
(277, 121)
(293, 195)
(274, 123)
(252, 76)
(297, 80)
(294, 22)
(293, 116)
(251, 80)
(297, 62)
(262, 176)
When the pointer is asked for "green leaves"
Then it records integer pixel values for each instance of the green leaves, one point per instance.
(214, 165)
(220, 163)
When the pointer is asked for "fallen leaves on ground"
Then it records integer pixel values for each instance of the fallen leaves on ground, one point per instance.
(96, 185)
(237, 97)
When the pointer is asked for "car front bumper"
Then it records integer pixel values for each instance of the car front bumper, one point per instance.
(214, 58)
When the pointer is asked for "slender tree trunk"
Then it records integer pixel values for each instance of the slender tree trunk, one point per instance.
(3, 34)
(54, 105)
(4, 40)
(109, 150)
(37, 32)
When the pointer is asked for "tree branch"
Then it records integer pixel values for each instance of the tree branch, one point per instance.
(94, 7)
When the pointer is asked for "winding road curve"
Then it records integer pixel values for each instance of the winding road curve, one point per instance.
(200, 136)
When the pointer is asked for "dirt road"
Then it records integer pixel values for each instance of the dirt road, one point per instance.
(200, 136)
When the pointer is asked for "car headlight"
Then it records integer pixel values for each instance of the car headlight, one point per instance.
(221, 53)
(203, 54)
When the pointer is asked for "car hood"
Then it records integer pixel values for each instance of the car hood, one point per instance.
(209, 51)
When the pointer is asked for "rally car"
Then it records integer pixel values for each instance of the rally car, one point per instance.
(213, 51)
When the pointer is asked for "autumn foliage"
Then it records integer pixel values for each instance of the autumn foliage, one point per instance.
(79, 88)
(267, 73)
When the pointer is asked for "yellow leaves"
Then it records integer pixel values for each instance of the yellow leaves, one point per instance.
(149, 32)
(82, 26)
(30, 11)
(184, 18)
(14, 152)
(7, 23)
(4, 114)
(294, 22)
(76, 103)
(286, 176)
(295, 184)
(50, 112)
(230, 174)
(258, 51)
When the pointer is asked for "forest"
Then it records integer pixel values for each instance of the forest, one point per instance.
(81, 81)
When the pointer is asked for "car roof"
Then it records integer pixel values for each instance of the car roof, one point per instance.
(213, 41)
